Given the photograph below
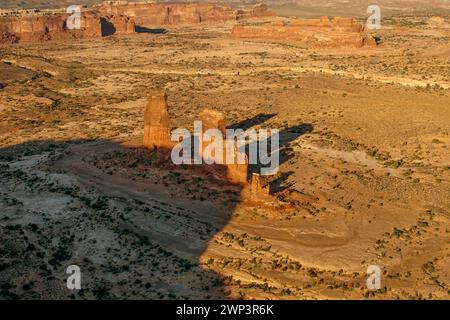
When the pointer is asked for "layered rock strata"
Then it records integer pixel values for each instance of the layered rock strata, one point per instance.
(323, 32)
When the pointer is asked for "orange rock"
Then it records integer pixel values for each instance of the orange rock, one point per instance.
(212, 119)
(236, 172)
(157, 123)
(258, 11)
(323, 32)
(41, 27)
(256, 186)
(160, 14)
(116, 18)
(121, 24)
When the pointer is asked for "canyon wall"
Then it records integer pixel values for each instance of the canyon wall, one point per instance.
(323, 32)
(160, 14)
(42, 27)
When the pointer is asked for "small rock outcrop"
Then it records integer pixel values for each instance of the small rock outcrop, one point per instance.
(437, 22)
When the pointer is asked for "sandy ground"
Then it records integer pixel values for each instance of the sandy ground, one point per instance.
(365, 135)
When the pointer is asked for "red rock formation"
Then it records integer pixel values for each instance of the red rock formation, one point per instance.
(50, 27)
(236, 172)
(159, 14)
(7, 37)
(258, 11)
(116, 18)
(157, 123)
(41, 27)
(212, 119)
(120, 24)
(256, 186)
(323, 32)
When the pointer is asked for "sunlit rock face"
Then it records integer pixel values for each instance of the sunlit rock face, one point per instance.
(323, 32)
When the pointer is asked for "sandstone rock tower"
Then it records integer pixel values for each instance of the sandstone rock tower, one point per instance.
(157, 123)
(256, 185)
(236, 172)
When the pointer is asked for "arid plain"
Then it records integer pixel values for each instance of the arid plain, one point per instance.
(364, 179)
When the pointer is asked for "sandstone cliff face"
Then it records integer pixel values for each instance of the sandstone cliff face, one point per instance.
(323, 32)
(159, 14)
(157, 123)
(236, 172)
(257, 187)
(7, 37)
(50, 27)
(116, 18)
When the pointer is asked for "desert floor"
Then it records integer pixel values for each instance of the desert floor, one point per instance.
(365, 136)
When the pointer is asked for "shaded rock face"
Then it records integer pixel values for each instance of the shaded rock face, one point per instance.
(323, 32)
(53, 27)
(157, 123)
(158, 14)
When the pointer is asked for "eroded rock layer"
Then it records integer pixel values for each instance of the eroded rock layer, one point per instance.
(54, 26)
(157, 123)
(237, 171)
(323, 32)
(151, 14)
(110, 18)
